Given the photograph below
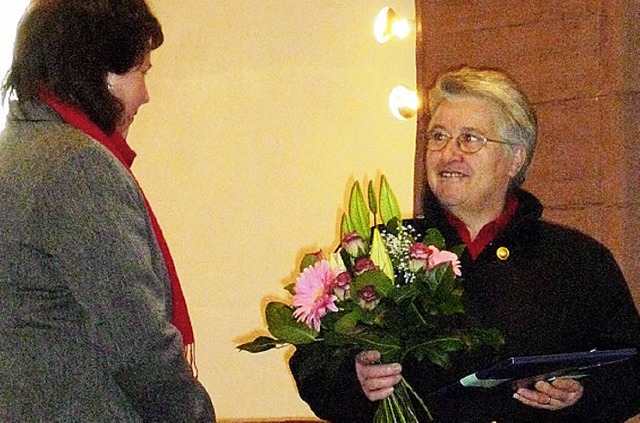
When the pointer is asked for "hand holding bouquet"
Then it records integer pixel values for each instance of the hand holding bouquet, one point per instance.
(387, 289)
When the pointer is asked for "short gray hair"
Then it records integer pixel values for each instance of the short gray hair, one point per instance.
(517, 123)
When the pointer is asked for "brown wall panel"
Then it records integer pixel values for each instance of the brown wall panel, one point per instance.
(553, 59)
(579, 62)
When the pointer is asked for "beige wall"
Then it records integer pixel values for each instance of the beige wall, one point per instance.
(263, 113)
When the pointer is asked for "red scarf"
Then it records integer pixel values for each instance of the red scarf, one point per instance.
(118, 146)
(489, 231)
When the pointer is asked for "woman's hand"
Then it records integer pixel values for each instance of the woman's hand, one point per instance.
(561, 393)
(377, 380)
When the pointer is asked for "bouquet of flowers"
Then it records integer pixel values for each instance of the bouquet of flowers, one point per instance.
(384, 288)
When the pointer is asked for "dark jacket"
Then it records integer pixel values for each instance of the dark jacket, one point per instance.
(558, 291)
(85, 298)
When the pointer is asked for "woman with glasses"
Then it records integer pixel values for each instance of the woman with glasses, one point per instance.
(548, 289)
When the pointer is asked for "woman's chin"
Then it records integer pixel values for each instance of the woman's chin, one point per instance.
(123, 131)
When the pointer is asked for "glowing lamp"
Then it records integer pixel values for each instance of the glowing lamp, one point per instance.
(388, 25)
(403, 103)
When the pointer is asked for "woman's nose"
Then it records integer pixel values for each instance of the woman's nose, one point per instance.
(452, 147)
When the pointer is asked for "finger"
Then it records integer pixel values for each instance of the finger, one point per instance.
(548, 389)
(572, 390)
(376, 380)
(538, 402)
(568, 385)
(380, 383)
(379, 394)
(373, 371)
(565, 391)
(368, 357)
(533, 398)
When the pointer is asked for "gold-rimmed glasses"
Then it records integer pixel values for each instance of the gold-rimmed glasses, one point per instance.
(468, 142)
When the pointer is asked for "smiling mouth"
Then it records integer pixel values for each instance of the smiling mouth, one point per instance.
(452, 175)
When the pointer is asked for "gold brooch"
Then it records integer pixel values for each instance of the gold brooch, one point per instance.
(502, 253)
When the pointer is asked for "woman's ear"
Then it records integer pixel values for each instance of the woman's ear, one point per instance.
(110, 78)
(517, 160)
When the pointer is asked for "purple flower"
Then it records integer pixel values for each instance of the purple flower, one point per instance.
(368, 297)
(419, 254)
(354, 244)
(342, 285)
(363, 264)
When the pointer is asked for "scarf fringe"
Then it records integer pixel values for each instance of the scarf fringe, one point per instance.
(190, 355)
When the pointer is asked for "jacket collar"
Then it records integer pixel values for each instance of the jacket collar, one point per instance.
(31, 111)
(528, 213)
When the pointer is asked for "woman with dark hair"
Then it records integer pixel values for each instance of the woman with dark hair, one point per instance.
(93, 322)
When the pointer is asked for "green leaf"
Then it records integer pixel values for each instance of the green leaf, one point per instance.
(405, 293)
(260, 344)
(373, 204)
(380, 256)
(359, 213)
(392, 318)
(337, 339)
(308, 260)
(487, 337)
(291, 288)
(346, 226)
(394, 226)
(285, 328)
(435, 238)
(389, 208)
(376, 278)
(449, 344)
(348, 323)
(438, 350)
(458, 250)
(438, 357)
(388, 345)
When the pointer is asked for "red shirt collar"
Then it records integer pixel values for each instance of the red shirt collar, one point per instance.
(489, 231)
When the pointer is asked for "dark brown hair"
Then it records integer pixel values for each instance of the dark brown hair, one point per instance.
(69, 46)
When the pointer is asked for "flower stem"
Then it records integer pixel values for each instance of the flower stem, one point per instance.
(398, 408)
(404, 382)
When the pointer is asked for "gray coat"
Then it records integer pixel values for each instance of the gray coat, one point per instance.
(85, 297)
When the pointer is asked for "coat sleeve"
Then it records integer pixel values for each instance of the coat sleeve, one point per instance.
(96, 228)
(613, 392)
(326, 380)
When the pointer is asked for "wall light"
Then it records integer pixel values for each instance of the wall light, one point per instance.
(403, 102)
(388, 25)
(10, 13)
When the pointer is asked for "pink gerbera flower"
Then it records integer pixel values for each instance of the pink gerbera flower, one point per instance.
(314, 297)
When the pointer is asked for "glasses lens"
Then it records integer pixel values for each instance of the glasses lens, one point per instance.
(471, 143)
(436, 140)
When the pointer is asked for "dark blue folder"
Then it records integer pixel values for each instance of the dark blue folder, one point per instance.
(540, 367)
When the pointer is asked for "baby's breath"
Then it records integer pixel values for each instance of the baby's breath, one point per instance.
(398, 248)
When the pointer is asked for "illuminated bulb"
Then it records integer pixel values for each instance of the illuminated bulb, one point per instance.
(401, 28)
(387, 24)
(403, 102)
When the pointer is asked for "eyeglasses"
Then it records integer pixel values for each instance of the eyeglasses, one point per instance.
(468, 142)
